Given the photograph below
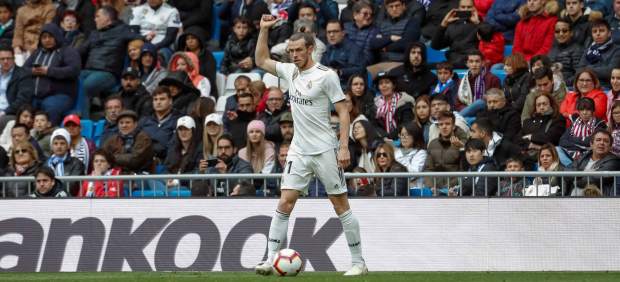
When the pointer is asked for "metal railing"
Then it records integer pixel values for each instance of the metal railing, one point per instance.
(479, 184)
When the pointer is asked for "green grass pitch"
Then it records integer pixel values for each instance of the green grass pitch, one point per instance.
(318, 276)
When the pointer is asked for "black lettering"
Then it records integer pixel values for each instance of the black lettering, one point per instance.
(313, 246)
(28, 251)
(125, 245)
(230, 259)
(61, 230)
(169, 242)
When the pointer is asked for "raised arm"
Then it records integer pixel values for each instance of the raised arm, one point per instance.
(263, 60)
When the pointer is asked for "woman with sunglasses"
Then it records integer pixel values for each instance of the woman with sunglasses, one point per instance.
(24, 161)
(386, 162)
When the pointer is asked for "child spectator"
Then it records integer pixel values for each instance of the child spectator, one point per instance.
(134, 52)
(103, 165)
(472, 87)
(7, 24)
(42, 130)
(576, 140)
(61, 161)
(512, 186)
(447, 84)
(239, 49)
(491, 44)
(477, 162)
(70, 24)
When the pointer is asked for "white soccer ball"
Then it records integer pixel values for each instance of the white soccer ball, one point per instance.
(288, 262)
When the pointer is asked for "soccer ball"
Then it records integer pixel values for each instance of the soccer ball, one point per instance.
(288, 262)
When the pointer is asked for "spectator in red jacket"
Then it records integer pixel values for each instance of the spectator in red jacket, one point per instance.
(491, 44)
(586, 85)
(103, 165)
(534, 32)
(482, 7)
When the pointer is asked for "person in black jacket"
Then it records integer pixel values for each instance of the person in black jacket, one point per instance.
(498, 148)
(182, 89)
(518, 81)
(599, 158)
(193, 40)
(161, 124)
(103, 55)
(61, 160)
(47, 186)
(459, 34)
(435, 13)
(414, 76)
(503, 117)
(185, 151)
(566, 50)
(55, 69)
(195, 14)
(342, 55)
(133, 94)
(477, 162)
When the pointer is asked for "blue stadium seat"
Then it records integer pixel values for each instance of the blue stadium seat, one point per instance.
(179, 192)
(87, 128)
(219, 56)
(147, 194)
(501, 74)
(435, 56)
(217, 23)
(507, 50)
(99, 127)
(420, 192)
(369, 80)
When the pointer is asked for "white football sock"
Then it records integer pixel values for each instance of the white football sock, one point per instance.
(351, 228)
(277, 234)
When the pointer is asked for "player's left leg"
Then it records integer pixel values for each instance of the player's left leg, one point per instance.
(351, 228)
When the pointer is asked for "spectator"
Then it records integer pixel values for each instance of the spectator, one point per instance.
(364, 98)
(213, 130)
(365, 141)
(228, 163)
(182, 90)
(412, 152)
(199, 110)
(273, 187)
(103, 165)
(447, 83)
(123, 8)
(458, 34)
(239, 49)
(287, 129)
(131, 147)
(42, 131)
(304, 26)
(29, 20)
(576, 139)
(47, 186)
(579, 18)
(504, 119)
(151, 70)
(239, 119)
(602, 55)
(282, 30)
(25, 116)
(259, 92)
(444, 153)
(482, 7)
(242, 84)
(62, 162)
(423, 115)
(7, 24)
(477, 162)
(386, 163)
(414, 10)
(491, 44)
(82, 9)
(195, 14)
(271, 116)
(324, 10)
(161, 124)
(613, 94)
(72, 36)
(599, 158)
(55, 69)
(103, 54)
(439, 103)
(188, 62)
(614, 22)
(352, 107)
(193, 40)
(80, 147)
(566, 49)
(158, 23)
(542, 61)
(113, 107)
(362, 30)
(362, 186)
(475, 83)
(435, 14)
(134, 53)
(259, 152)
(544, 84)
(586, 85)
(546, 125)
(512, 186)
(614, 127)
(16, 87)
(342, 55)
(503, 16)
(497, 147)
(518, 80)
(24, 161)
(393, 108)
(134, 95)
(395, 31)
(414, 77)
(184, 152)
(534, 32)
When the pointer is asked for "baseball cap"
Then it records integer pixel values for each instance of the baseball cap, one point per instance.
(217, 118)
(187, 122)
(71, 118)
(130, 71)
(286, 117)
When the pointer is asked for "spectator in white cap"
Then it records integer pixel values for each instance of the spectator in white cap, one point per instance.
(259, 152)
(185, 151)
(214, 128)
(61, 161)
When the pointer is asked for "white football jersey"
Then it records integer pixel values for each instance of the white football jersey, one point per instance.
(155, 20)
(310, 93)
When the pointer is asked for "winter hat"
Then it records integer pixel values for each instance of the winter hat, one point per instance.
(256, 124)
(61, 132)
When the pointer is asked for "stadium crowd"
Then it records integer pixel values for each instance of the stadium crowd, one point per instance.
(143, 75)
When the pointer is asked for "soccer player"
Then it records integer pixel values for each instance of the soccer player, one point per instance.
(314, 149)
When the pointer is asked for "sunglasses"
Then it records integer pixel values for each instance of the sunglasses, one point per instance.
(21, 151)
(382, 155)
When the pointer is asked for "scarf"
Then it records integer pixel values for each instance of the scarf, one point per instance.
(465, 90)
(20, 169)
(583, 129)
(441, 87)
(5, 26)
(595, 51)
(80, 151)
(58, 164)
(386, 111)
(615, 146)
(128, 141)
(540, 180)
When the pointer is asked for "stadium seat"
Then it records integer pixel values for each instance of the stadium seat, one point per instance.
(217, 23)
(435, 56)
(507, 50)
(220, 81)
(87, 128)
(179, 192)
(420, 192)
(501, 74)
(369, 80)
(230, 81)
(219, 56)
(272, 80)
(99, 127)
(220, 105)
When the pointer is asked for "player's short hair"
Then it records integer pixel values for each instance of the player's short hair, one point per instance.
(308, 38)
